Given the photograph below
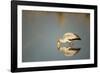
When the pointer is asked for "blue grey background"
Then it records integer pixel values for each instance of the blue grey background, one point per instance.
(41, 30)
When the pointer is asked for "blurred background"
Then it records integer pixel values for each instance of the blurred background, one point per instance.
(41, 31)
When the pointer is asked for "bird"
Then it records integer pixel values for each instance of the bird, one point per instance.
(68, 38)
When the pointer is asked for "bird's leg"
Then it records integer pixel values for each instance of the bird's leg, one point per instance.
(71, 44)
